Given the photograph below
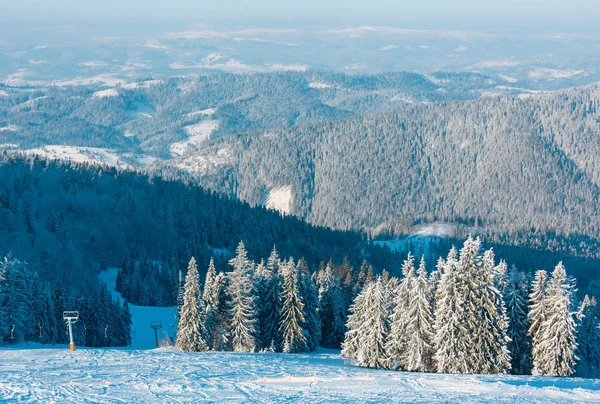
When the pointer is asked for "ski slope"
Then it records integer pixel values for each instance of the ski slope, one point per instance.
(37, 373)
(165, 375)
(142, 316)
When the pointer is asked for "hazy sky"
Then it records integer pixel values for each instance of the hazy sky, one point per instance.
(538, 12)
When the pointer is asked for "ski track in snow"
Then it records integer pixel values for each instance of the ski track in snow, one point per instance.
(165, 375)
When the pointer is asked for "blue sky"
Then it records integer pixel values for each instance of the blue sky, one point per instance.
(416, 11)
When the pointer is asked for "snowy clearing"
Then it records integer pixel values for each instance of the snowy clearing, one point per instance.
(316, 84)
(9, 128)
(279, 199)
(205, 164)
(79, 154)
(549, 74)
(198, 133)
(165, 375)
(111, 92)
(207, 112)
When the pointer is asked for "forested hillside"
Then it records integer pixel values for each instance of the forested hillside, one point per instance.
(150, 115)
(498, 164)
(70, 220)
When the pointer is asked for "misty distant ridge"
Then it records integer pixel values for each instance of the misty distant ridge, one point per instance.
(56, 56)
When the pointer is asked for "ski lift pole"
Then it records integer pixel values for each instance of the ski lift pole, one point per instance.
(156, 325)
(71, 317)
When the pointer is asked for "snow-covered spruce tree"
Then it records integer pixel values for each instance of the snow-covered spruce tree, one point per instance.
(14, 299)
(207, 293)
(220, 337)
(537, 309)
(396, 345)
(211, 314)
(261, 281)
(291, 318)
(449, 341)
(242, 310)
(375, 328)
(554, 344)
(310, 298)
(490, 336)
(355, 324)
(271, 304)
(588, 338)
(500, 275)
(331, 308)
(190, 333)
(418, 356)
(515, 298)
(434, 279)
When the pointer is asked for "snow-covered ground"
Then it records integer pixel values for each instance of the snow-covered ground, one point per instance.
(279, 199)
(198, 133)
(165, 375)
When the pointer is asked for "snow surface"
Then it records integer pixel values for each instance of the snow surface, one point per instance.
(165, 375)
(279, 199)
(9, 128)
(93, 155)
(316, 84)
(207, 112)
(544, 73)
(198, 133)
(111, 92)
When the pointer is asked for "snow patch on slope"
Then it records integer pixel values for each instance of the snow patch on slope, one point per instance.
(316, 84)
(9, 128)
(544, 73)
(198, 133)
(207, 112)
(205, 164)
(79, 154)
(111, 92)
(279, 199)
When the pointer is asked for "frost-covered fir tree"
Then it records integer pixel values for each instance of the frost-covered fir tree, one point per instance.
(310, 298)
(490, 336)
(242, 310)
(418, 356)
(554, 344)
(537, 309)
(220, 337)
(14, 299)
(271, 303)
(331, 308)
(211, 313)
(190, 335)
(588, 338)
(355, 324)
(375, 328)
(500, 275)
(397, 340)
(449, 341)
(291, 317)
(515, 297)
(207, 293)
